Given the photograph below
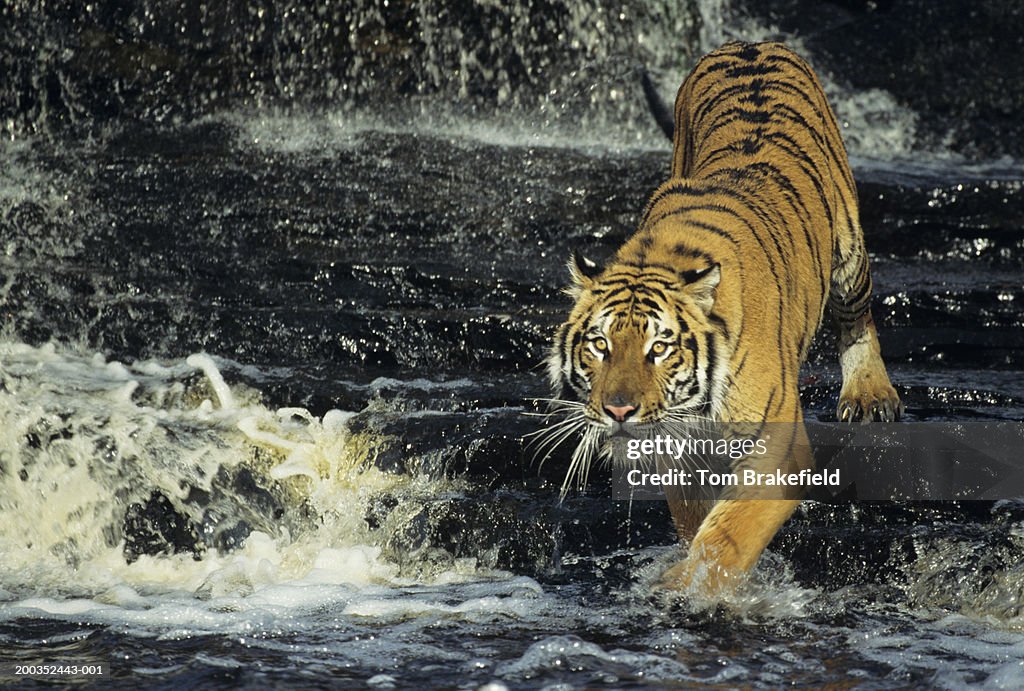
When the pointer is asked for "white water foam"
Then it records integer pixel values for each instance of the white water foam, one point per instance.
(82, 438)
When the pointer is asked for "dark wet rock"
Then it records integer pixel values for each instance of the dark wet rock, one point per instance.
(509, 529)
(239, 502)
(837, 545)
(156, 527)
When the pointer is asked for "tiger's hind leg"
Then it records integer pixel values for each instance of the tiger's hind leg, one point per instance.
(867, 393)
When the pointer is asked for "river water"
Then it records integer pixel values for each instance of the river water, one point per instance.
(265, 374)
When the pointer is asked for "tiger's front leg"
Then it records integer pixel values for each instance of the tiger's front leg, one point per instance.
(728, 544)
(867, 393)
(733, 535)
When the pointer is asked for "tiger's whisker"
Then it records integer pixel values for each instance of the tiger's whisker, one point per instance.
(552, 442)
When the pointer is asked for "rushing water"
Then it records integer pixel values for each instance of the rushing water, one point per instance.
(265, 375)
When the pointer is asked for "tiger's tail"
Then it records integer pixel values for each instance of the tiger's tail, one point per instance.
(659, 109)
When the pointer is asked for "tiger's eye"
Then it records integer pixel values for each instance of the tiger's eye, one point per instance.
(659, 348)
(600, 345)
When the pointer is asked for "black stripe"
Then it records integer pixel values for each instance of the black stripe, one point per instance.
(775, 229)
(731, 69)
(687, 190)
(712, 348)
(748, 51)
(743, 363)
(829, 127)
(792, 60)
(863, 288)
(730, 116)
(720, 324)
(644, 266)
(768, 405)
(755, 70)
(576, 381)
(766, 211)
(685, 251)
(610, 305)
(710, 102)
(719, 232)
(779, 283)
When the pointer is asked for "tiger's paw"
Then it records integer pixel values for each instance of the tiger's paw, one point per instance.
(677, 577)
(698, 577)
(869, 397)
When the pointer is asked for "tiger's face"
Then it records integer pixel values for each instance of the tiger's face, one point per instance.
(639, 349)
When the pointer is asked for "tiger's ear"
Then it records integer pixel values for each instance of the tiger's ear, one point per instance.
(583, 270)
(701, 285)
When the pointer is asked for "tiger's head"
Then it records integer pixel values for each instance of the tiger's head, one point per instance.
(640, 353)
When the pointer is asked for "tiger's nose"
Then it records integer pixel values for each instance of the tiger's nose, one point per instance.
(620, 412)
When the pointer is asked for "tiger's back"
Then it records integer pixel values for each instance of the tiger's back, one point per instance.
(769, 116)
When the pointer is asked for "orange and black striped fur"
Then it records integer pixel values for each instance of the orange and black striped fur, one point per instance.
(707, 312)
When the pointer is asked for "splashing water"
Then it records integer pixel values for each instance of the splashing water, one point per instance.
(84, 439)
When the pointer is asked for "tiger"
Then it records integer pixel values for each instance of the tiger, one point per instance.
(707, 312)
